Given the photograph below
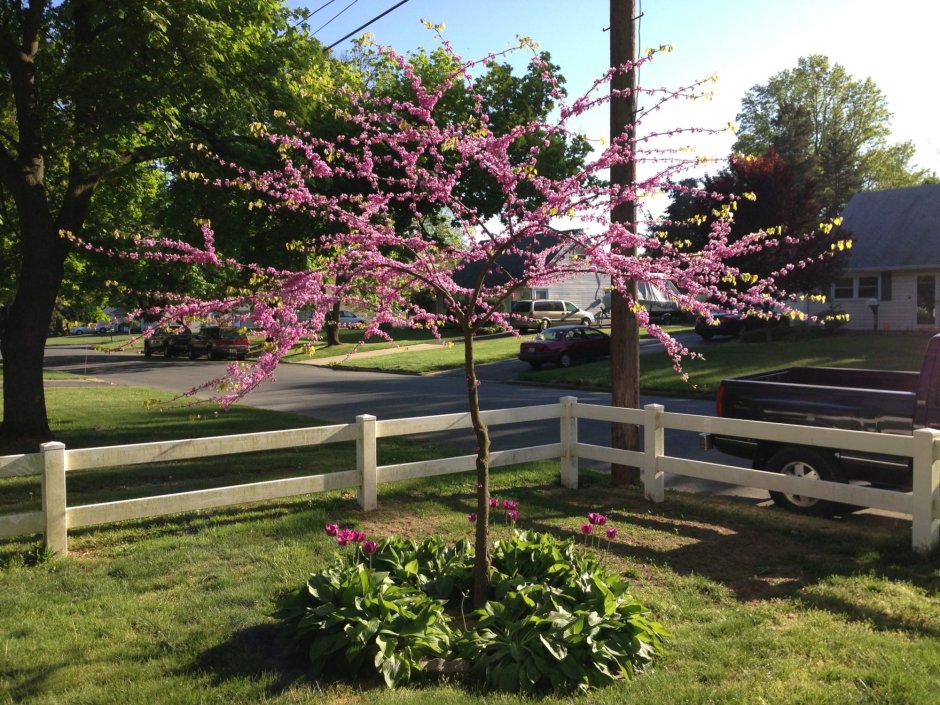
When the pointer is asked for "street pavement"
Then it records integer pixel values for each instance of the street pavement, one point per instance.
(338, 396)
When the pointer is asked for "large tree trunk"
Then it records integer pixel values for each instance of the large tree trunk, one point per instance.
(481, 565)
(25, 422)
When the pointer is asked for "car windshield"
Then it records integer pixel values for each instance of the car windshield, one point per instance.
(551, 335)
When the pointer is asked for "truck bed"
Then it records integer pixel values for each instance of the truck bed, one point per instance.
(857, 400)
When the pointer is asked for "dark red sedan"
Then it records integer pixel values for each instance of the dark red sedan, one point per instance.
(563, 345)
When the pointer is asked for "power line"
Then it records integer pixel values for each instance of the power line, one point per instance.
(335, 16)
(310, 14)
(362, 27)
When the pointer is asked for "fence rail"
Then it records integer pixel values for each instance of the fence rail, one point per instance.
(54, 462)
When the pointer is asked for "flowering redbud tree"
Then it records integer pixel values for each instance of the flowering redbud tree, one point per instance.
(370, 245)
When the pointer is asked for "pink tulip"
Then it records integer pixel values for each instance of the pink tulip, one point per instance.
(611, 533)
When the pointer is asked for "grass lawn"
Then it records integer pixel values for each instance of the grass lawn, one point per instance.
(49, 375)
(732, 358)
(351, 337)
(763, 606)
(449, 357)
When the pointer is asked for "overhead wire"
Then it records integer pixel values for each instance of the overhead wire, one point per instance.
(328, 22)
(363, 26)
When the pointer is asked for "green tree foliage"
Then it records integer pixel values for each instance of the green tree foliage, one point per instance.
(778, 203)
(92, 95)
(828, 124)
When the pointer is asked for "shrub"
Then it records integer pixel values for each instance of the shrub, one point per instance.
(558, 620)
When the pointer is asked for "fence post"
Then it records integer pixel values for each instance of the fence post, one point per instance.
(925, 530)
(569, 441)
(53, 497)
(366, 461)
(653, 449)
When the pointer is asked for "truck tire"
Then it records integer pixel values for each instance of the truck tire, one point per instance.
(168, 351)
(805, 462)
(586, 321)
(192, 353)
(147, 351)
(544, 323)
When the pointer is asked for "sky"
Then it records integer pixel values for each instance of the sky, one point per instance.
(744, 42)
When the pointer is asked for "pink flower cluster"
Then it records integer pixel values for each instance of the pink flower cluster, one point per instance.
(597, 519)
(347, 536)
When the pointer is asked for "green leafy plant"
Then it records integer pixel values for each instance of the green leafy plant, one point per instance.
(558, 620)
(348, 616)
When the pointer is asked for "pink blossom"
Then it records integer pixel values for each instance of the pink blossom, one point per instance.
(513, 515)
(587, 528)
(472, 517)
(494, 502)
(509, 504)
(369, 547)
(611, 533)
(597, 518)
(331, 529)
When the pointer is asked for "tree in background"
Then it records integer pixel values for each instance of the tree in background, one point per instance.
(93, 92)
(771, 198)
(415, 164)
(829, 125)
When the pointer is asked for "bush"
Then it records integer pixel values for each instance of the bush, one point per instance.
(558, 620)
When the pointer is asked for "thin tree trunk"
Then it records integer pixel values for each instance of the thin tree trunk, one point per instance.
(332, 325)
(481, 565)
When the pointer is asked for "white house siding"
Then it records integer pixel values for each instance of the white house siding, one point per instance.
(898, 314)
(584, 290)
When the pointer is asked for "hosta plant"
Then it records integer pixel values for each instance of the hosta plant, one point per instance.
(557, 621)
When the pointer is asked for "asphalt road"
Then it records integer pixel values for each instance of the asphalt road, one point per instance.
(338, 396)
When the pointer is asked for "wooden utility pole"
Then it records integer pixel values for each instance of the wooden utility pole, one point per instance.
(624, 332)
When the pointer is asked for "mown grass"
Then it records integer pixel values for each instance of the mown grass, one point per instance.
(764, 606)
(449, 356)
(352, 341)
(731, 358)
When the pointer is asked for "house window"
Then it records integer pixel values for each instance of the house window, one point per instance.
(868, 287)
(540, 293)
(863, 286)
(886, 286)
(844, 288)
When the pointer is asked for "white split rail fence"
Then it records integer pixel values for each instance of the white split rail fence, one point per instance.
(54, 461)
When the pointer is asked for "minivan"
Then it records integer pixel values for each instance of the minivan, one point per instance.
(544, 313)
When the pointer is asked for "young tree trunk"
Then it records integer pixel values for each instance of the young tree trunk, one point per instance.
(481, 565)
(332, 325)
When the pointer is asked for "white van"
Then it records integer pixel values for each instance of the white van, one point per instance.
(544, 313)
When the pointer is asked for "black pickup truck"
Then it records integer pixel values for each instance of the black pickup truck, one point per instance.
(828, 397)
(170, 341)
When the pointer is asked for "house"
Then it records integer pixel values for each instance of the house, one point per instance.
(892, 281)
(589, 291)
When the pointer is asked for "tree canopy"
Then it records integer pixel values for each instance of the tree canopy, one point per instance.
(92, 95)
(766, 196)
(830, 125)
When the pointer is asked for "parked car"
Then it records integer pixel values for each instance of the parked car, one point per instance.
(99, 328)
(563, 345)
(724, 323)
(169, 341)
(348, 318)
(543, 313)
(831, 397)
(217, 342)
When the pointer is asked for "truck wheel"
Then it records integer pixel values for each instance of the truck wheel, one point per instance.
(585, 321)
(147, 351)
(805, 462)
(544, 323)
(192, 354)
(168, 351)
(706, 334)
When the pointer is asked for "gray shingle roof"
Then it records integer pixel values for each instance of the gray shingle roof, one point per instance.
(894, 229)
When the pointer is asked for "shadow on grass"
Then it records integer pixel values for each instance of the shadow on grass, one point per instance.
(754, 553)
